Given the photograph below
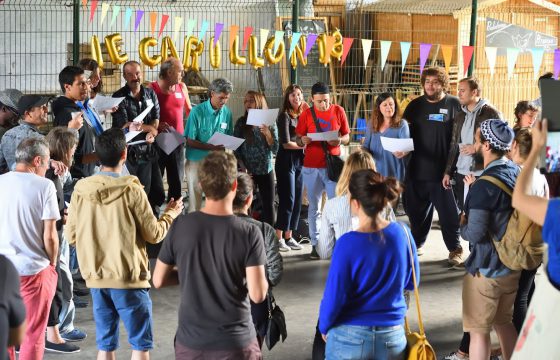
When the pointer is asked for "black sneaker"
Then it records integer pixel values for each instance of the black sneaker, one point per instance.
(314, 255)
(64, 348)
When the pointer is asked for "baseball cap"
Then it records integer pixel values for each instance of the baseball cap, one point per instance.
(10, 98)
(27, 102)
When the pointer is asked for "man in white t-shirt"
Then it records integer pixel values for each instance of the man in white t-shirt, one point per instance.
(28, 237)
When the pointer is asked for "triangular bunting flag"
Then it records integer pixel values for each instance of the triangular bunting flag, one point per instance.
(467, 56)
(218, 27)
(233, 30)
(385, 47)
(424, 53)
(164, 19)
(512, 54)
(278, 37)
(247, 32)
(263, 38)
(538, 54)
(84, 2)
(178, 21)
(203, 29)
(153, 21)
(116, 10)
(293, 43)
(311, 38)
(405, 49)
(104, 10)
(346, 45)
(329, 44)
(127, 17)
(556, 67)
(92, 10)
(190, 27)
(366, 46)
(139, 14)
(491, 54)
(447, 52)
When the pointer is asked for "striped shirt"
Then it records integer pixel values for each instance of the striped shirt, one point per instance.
(336, 221)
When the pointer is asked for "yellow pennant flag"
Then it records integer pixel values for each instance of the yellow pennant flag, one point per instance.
(447, 52)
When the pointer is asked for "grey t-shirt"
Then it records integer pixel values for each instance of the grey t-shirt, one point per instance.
(211, 254)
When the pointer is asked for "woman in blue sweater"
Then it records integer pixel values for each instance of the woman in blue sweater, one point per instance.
(363, 307)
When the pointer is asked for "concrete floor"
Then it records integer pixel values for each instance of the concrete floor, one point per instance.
(299, 295)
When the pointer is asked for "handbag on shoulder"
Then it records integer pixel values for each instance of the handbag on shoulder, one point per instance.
(334, 162)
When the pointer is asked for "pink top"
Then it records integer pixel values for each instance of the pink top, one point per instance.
(171, 107)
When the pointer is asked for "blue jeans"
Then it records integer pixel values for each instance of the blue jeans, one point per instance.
(316, 181)
(133, 306)
(366, 342)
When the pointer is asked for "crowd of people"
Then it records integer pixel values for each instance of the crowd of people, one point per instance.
(86, 204)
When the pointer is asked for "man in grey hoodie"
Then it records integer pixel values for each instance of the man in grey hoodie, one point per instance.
(460, 161)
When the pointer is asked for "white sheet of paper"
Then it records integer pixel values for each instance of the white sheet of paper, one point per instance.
(103, 103)
(137, 142)
(465, 192)
(168, 141)
(131, 135)
(258, 117)
(393, 145)
(143, 114)
(324, 136)
(229, 142)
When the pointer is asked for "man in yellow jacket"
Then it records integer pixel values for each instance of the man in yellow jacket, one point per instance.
(110, 220)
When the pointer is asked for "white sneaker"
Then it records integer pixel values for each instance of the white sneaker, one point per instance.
(293, 244)
(283, 247)
(456, 356)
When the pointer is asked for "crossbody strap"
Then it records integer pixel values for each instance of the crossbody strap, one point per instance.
(498, 183)
(318, 129)
(416, 292)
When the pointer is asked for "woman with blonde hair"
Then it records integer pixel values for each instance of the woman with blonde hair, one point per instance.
(337, 218)
(255, 154)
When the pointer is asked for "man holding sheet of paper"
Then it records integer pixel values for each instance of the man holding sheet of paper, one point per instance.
(331, 118)
(210, 117)
(140, 110)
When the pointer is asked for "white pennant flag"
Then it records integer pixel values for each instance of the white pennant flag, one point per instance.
(491, 53)
(385, 47)
(104, 10)
(537, 60)
(366, 46)
(264, 38)
(512, 54)
(405, 49)
(176, 26)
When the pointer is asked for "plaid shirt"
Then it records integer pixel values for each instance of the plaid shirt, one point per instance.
(11, 140)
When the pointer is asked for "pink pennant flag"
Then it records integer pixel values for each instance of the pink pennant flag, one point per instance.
(246, 35)
(311, 38)
(556, 63)
(92, 10)
(217, 32)
(467, 56)
(233, 30)
(346, 45)
(424, 52)
(153, 21)
(164, 19)
(139, 14)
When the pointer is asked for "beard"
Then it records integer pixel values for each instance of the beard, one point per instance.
(478, 158)
(435, 96)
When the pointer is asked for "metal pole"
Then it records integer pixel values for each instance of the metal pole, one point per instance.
(295, 28)
(76, 33)
(472, 39)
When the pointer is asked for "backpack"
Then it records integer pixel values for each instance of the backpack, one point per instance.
(522, 245)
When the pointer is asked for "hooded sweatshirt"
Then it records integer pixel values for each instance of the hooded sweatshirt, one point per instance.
(110, 221)
(464, 162)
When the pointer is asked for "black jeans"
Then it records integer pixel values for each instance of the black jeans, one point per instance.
(174, 164)
(290, 188)
(149, 174)
(56, 304)
(459, 190)
(420, 198)
(265, 183)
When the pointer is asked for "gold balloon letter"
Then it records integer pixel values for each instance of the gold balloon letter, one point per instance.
(191, 54)
(215, 54)
(269, 47)
(143, 50)
(168, 49)
(255, 61)
(337, 49)
(324, 58)
(298, 52)
(96, 53)
(113, 43)
(234, 56)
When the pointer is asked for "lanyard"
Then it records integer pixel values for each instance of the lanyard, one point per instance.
(92, 116)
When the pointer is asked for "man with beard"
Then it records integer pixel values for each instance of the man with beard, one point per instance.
(142, 159)
(431, 119)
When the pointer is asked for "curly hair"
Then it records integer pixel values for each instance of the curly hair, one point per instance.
(438, 72)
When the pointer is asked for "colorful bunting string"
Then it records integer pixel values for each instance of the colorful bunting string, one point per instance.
(164, 19)
(424, 53)
(467, 57)
(204, 29)
(346, 45)
(293, 43)
(218, 27)
(247, 32)
(512, 54)
(385, 47)
(139, 15)
(104, 10)
(263, 38)
(127, 17)
(153, 21)
(278, 37)
(92, 10)
(447, 53)
(178, 21)
(116, 10)
(405, 49)
(537, 54)
(491, 54)
(190, 27)
(311, 38)
(233, 30)
(366, 46)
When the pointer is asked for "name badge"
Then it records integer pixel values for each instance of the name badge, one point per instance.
(223, 126)
(435, 117)
(443, 111)
(178, 95)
